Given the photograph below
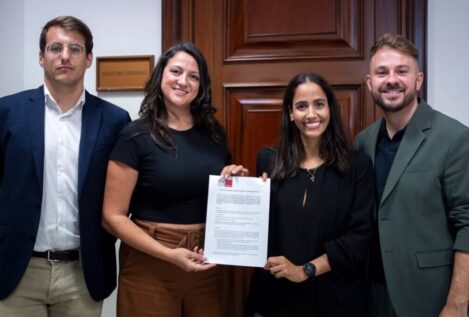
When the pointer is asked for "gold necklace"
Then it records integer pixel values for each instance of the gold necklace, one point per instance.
(312, 175)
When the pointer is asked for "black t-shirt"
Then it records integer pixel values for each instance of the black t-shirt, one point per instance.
(170, 188)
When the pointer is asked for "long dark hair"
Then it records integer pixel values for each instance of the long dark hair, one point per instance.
(154, 111)
(333, 147)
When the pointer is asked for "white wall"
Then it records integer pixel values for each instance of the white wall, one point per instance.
(119, 27)
(12, 51)
(448, 61)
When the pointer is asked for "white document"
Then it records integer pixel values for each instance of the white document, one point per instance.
(237, 221)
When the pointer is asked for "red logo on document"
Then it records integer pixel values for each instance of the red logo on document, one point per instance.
(228, 182)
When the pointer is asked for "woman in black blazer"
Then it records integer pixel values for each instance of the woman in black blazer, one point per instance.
(321, 211)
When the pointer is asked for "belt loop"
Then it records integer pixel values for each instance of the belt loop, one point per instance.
(146, 227)
(184, 243)
(152, 231)
(49, 259)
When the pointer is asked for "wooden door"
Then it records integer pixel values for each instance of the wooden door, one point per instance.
(254, 47)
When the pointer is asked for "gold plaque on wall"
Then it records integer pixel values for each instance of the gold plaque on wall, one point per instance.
(121, 73)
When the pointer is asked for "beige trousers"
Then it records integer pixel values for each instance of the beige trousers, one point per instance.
(51, 289)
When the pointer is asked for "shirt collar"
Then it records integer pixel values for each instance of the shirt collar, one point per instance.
(383, 132)
(51, 103)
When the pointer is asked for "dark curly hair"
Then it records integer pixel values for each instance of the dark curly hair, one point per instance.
(333, 146)
(153, 109)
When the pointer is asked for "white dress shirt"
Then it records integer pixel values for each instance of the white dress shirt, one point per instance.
(59, 226)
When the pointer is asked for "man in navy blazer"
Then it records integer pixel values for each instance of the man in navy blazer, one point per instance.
(55, 258)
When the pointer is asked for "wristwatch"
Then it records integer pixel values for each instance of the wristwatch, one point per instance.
(310, 270)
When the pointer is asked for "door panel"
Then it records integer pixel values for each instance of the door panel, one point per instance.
(318, 30)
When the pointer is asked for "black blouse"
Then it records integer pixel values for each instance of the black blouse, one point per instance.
(335, 218)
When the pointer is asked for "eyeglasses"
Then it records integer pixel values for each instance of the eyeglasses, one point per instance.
(57, 48)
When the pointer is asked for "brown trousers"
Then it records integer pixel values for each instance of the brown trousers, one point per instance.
(152, 287)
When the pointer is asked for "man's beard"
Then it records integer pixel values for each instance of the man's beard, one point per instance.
(408, 99)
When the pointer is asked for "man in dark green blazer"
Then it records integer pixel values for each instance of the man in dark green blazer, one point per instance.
(419, 264)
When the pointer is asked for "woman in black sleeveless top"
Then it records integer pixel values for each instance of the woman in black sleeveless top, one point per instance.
(158, 174)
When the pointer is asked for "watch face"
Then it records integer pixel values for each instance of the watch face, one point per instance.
(309, 269)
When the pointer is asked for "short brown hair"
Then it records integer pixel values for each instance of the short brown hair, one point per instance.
(395, 41)
(68, 23)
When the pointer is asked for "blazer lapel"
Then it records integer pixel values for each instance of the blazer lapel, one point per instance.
(413, 138)
(366, 141)
(91, 121)
(372, 138)
(35, 111)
